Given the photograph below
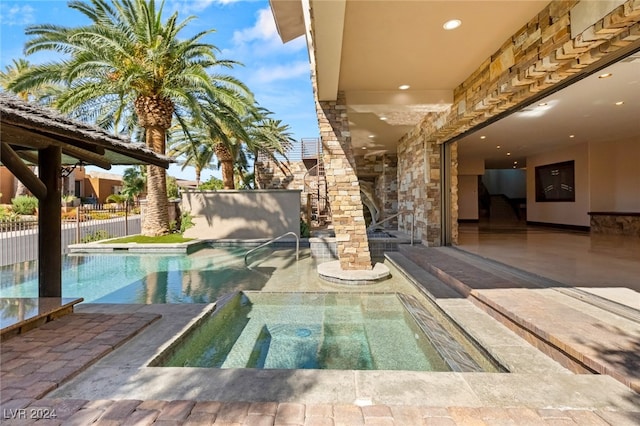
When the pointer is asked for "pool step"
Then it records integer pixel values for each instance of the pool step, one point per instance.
(584, 337)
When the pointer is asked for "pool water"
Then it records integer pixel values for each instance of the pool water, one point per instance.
(201, 277)
(306, 331)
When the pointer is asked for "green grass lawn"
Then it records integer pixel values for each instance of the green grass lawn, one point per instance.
(141, 239)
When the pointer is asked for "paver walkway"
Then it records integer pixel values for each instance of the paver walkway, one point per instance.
(40, 360)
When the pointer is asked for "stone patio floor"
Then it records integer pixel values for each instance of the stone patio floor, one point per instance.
(39, 361)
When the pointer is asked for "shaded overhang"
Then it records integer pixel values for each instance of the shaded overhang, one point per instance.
(368, 49)
(27, 128)
(289, 18)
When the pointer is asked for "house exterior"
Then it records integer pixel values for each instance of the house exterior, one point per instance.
(77, 182)
(397, 91)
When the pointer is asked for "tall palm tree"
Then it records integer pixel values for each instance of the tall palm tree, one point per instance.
(262, 135)
(126, 63)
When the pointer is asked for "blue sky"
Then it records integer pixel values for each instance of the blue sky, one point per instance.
(277, 73)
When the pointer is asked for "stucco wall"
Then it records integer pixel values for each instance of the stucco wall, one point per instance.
(242, 214)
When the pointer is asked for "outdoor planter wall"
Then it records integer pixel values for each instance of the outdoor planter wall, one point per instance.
(246, 214)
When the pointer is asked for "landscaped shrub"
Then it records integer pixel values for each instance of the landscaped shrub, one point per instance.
(7, 215)
(305, 232)
(69, 214)
(98, 235)
(24, 204)
(185, 222)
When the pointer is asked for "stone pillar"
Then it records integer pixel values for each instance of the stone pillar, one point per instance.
(343, 186)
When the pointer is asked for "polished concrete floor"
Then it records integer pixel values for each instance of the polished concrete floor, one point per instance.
(606, 265)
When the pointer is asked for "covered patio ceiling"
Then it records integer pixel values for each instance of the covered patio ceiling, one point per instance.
(369, 48)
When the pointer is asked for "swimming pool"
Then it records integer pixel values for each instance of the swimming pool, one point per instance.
(337, 331)
(201, 277)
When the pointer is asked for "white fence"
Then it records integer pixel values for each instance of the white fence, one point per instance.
(19, 239)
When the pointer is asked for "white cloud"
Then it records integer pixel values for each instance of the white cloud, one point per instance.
(264, 29)
(263, 39)
(15, 14)
(281, 72)
(188, 7)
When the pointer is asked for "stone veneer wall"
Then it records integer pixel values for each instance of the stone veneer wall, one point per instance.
(419, 185)
(539, 56)
(615, 223)
(343, 186)
(383, 169)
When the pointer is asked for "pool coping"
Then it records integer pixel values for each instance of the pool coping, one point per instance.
(536, 386)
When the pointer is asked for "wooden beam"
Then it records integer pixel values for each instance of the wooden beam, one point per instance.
(49, 224)
(28, 156)
(86, 156)
(20, 170)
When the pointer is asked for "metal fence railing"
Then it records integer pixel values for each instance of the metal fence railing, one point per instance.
(19, 238)
(306, 148)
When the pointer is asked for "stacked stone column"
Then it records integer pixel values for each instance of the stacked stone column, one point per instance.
(343, 186)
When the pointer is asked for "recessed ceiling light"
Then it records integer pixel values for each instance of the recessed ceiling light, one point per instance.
(572, 136)
(452, 24)
(619, 103)
(371, 136)
(404, 87)
(515, 162)
(508, 153)
(497, 146)
(483, 137)
(364, 147)
(606, 75)
(383, 118)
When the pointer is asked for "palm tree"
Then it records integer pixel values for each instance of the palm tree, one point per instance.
(273, 139)
(193, 150)
(128, 63)
(133, 183)
(263, 135)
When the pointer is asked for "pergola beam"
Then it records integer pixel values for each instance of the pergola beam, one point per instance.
(20, 170)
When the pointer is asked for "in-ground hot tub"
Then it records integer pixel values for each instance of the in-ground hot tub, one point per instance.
(320, 331)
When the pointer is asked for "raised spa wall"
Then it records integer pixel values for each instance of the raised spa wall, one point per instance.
(237, 214)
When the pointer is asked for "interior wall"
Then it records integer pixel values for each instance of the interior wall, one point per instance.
(468, 197)
(563, 213)
(510, 182)
(615, 176)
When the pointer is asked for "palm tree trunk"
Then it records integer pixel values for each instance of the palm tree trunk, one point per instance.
(226, 164)
(156, 218)
(227, 174)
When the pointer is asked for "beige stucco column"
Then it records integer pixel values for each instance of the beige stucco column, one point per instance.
(343, 187)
